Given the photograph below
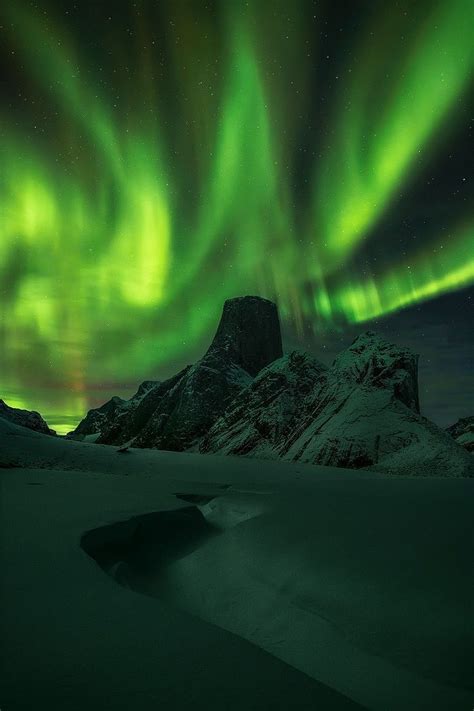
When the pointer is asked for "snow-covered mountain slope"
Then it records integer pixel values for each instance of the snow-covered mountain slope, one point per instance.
(26, 418)
(245, 398)
(463, 432)
(178, 412)
(361, 412)
(266, 412)
(99, 419)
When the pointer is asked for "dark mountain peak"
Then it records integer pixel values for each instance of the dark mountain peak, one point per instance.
(463, 432)
(248, 334)
(99, 419)
(369, 340)
(264, 414)
(177, 413)
(296, 365)
(245, 398)
(144, 388)
(464, 424)
(96, 417)
(26, 418)
(115, 400)
(372, 360)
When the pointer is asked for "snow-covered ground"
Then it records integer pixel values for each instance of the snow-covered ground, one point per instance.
(320, 588)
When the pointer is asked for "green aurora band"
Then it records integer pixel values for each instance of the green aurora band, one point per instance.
(381, 137)
(121, 234)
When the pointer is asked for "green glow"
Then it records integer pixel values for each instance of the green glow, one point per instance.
(450, 267)
(122, 230)
(381, 135)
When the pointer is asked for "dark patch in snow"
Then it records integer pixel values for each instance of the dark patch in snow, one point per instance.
(147, 542)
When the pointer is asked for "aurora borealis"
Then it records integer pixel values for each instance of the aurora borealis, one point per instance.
(160, 157)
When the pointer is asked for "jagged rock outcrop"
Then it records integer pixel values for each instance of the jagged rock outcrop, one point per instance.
(26, 418)
(96, 419)
(178, 413)
(363, 426)
(266, 412)
(362, 412)
(99, 419)
(244, 398)
(143, 388)
(463, 432)
(372, 361)
(248, 334)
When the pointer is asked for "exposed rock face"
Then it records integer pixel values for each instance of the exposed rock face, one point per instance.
(248, 334)
(362, 412)
(265, 413)
(363, 427)
(143, 388)
(463, 432)
(26, 418)
(127, 427)
(244, 398)
(98, 420)
(372, 361)
(178, 413)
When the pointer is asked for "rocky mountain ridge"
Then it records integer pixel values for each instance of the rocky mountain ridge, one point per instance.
(177, 413)
(26, 418)
(100, 418)
(245, 398)
(463, 432)
(361, 412)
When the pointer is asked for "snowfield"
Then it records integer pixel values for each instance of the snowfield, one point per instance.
(160, 580)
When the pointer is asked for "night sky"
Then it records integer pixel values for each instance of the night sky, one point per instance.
(159, 157)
